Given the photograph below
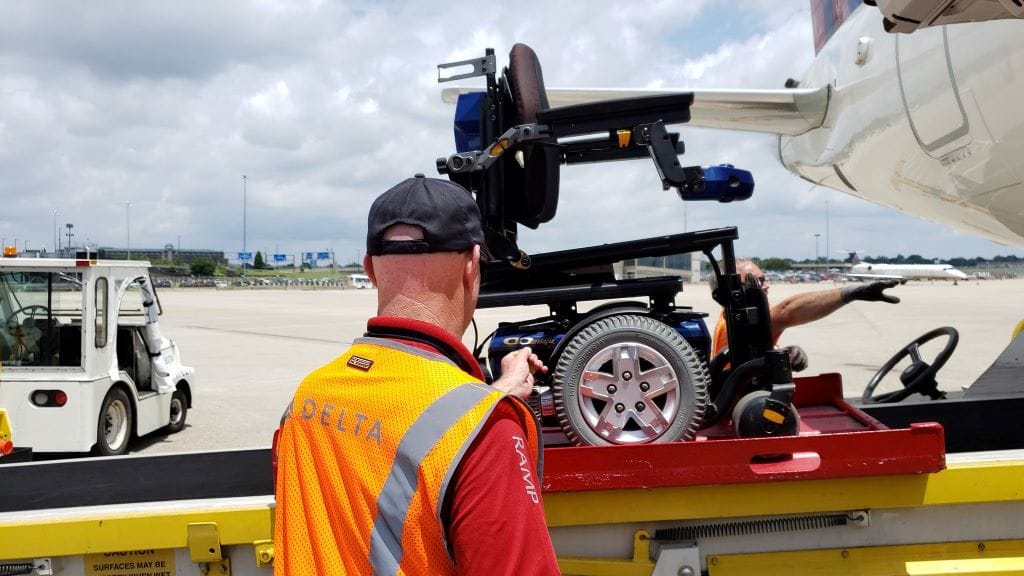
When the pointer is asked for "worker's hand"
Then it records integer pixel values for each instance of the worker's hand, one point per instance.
(517, 370)
(797, 358)
(870, 292)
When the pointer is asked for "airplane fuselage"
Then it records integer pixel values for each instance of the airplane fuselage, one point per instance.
(929, 123)
(868, 270)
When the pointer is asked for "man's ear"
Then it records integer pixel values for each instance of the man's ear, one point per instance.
(472, 269)
(368, 267)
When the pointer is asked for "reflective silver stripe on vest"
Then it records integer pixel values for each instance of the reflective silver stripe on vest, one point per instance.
(396, 495)
(401, 347)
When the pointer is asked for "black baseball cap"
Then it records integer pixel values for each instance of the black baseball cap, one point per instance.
(444, 210)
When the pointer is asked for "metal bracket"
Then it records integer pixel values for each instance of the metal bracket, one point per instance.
(481, 67)
(859, 518)
(677, 560)
(204, 548)
(220, 568)
(664, 149)
(641, 546)
(479, 160)
(264, 552)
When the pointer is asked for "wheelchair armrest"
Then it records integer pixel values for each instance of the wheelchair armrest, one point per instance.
(616, 114)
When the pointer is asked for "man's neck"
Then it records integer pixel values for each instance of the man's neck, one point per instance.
(439, 313)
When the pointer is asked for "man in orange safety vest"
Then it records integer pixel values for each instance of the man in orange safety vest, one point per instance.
(396, 457)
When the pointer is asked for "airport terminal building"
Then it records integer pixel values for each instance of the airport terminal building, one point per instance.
(168, 253)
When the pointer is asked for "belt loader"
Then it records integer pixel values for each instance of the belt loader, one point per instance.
(848, 495)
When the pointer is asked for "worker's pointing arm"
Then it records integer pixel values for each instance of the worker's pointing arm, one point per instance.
(810, 306)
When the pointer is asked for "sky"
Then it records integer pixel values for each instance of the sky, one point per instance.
(135, 122)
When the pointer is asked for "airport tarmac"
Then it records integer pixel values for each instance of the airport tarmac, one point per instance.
(251, 347)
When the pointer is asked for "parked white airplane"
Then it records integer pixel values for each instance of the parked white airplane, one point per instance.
(904, 272)
(864, 270)
(928, 123)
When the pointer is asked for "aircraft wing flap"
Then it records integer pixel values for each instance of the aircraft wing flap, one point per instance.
(789, 112)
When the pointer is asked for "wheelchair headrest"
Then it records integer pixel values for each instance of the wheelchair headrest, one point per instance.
(526, 81)
(532, 192)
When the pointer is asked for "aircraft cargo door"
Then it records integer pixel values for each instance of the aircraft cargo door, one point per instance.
(930, 95)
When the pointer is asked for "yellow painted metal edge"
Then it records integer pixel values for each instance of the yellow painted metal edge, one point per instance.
(639, 565)
(989, 557)
(997, 481)
(118, 533)
(961, 483)
(604, 567)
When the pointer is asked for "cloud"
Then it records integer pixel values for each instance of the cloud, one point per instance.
(124, 40)
(323, 105)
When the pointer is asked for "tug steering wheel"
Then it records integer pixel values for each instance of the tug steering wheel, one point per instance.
(920, 375)
(30, 311)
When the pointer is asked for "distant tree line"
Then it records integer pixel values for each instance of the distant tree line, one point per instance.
(787, 263)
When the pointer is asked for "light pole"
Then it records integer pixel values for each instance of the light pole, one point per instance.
(128, 226)
(70, 233)
(827, 258)
(244, 179)
(817, 257)
(56, 237)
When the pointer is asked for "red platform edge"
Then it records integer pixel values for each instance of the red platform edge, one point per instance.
(836, 440)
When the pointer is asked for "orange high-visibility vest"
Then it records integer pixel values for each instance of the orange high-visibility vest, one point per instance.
(720, 340)
(365, 458)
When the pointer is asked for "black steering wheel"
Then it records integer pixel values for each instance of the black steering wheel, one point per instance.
(919, 377)
(30, 311)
